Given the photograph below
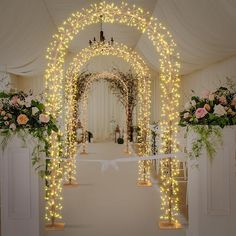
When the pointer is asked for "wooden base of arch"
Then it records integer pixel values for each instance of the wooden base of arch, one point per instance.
(84, 153)
(71, 185)
(144, 184)
(55, 226)
(169, 225)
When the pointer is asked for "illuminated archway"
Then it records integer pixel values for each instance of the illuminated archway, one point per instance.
(107, 76)
(142, 72)
(169, 75)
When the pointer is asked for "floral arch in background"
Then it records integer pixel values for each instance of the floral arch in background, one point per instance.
(84, 84)
(169, 77)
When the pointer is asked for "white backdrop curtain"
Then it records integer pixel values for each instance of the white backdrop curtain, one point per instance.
(103, 108)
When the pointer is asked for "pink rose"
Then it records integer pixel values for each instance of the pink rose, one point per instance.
(6, 122)
(44, 118)
(14, 100)
(200, 113)
(223, 100)
(9, 115)
(3, 113)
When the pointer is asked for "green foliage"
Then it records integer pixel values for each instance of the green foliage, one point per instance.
(208, 138)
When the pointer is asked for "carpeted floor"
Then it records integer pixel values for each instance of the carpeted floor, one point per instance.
(109, 203)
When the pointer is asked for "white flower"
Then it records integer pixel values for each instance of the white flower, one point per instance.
(28, 101)
(187, 106)
(193, 103)
(20, 102)
(186, 115)
(34, 110)
(13, 126)
(219, 110)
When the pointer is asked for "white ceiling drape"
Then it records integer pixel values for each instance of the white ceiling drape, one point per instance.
(204, 31)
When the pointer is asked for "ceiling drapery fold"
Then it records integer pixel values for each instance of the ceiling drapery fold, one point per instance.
(203, 30)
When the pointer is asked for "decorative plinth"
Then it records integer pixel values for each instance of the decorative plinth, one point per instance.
(71, 185)
(169, 225)
(144, 184)
(55, 226)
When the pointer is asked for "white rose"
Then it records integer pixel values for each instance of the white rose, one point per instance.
(34, 110)
(20, 102)
(28, 101)
(13, 126)
(193, 103)
(219, 110)
(187, 106)
(186, 115)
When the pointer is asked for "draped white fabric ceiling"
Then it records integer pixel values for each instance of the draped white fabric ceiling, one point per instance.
(204, 31)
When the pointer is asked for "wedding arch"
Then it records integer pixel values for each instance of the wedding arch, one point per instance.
(142, 71)
(169, 83)
(84, 84)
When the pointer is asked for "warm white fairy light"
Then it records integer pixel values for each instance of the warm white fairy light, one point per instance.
(169, 74)
(139, 67)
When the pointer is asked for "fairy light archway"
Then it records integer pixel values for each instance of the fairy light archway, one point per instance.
(169, 83)
(142, 72)
(109, 77)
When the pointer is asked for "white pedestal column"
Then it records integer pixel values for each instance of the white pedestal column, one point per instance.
(212, 191)
(19, 190)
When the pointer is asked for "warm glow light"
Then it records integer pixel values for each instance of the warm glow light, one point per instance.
(139, 67)
(169, 75)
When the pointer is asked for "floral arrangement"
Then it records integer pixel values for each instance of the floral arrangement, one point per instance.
(206, 115)
(213, 108)
(23, 114)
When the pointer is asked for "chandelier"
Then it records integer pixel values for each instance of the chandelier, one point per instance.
(102, 37)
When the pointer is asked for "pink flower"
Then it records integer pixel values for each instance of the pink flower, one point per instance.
(13, 126)
(5, 118)
(200, 113)
(44, 118)
(3, 113)
(14, 100)
(223, 100)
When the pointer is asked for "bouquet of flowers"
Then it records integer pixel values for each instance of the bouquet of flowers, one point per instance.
(22, 113)
(212, 108)
(21, 110)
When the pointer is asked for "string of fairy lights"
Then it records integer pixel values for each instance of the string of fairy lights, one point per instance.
(169, 83)
(140, 68)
